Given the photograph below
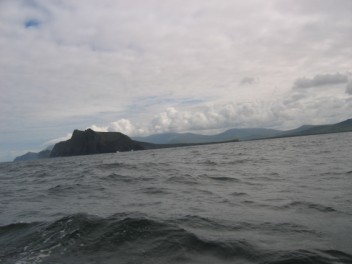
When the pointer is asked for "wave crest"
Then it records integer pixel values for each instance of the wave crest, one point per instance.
(128, 238)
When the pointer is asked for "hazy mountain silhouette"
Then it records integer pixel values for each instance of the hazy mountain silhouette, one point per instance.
(246, 134)
(91, 142)
(344, 126)
(231, 134)
(34, 155)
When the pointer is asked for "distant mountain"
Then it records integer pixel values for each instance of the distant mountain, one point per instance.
(158, 138)
(345, 126)
(91, 142)
(296, 130)
(245, 134)
(249, 133)
(34, 156)
(228, 135)
(191, 138)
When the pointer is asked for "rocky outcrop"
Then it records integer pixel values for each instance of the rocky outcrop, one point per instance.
(90, 142)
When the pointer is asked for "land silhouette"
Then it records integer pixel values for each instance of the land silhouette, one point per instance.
(91, 142)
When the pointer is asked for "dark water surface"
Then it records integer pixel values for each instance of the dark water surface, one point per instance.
(268, 201)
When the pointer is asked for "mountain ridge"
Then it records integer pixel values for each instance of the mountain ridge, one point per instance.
(244, 134)
(92, 142)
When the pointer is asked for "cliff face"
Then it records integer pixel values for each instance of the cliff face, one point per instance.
(91, 142)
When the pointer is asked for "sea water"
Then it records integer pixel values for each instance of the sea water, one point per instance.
(285, 200)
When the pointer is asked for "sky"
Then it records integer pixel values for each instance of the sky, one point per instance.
(151, 66)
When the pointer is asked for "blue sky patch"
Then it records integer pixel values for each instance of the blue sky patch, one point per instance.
(189, 101)
(32, 23)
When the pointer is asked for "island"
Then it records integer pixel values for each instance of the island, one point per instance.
(90, 142)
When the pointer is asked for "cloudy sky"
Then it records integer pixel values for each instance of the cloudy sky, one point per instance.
(152, 66)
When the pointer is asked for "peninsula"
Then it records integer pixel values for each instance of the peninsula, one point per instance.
(91, 142)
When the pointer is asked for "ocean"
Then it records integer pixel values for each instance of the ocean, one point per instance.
(284, 201)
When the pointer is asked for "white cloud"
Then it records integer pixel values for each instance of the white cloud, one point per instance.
(56, 140)
(122, 125)
(100, 128)
(349, 87)
(291, 111)
(83, 63)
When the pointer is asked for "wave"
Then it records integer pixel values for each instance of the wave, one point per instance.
(134, 238)
(65, 189)
(312, 257)
(116, 165)
(155, 190)
(224, 178)
(83, 238)
(185, 179)
(236, 194)
(239, 161)
(311, 206)
(129, 165)
(114, 177)
(295, 205)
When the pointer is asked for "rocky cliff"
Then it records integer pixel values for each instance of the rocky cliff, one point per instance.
(90, 142)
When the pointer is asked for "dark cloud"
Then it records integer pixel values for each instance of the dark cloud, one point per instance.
(247, 80)
(320, 80)
(349, 87)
